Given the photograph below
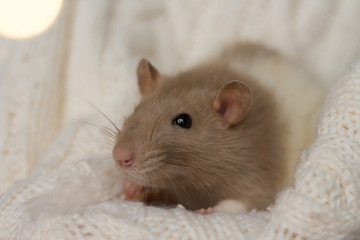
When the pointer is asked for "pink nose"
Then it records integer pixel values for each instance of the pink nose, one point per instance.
(123, 156)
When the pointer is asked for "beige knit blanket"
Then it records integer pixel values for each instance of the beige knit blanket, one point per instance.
(57, 179)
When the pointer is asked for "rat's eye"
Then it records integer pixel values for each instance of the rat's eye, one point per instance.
(183, 120)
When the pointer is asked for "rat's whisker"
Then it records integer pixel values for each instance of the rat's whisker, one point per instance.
(175, 173)
(105, 130)
(169, 175)
(154, 185)
(95, 107)
(164, 187)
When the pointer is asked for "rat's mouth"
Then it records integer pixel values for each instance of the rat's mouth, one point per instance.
(151, 176)
(145, 180)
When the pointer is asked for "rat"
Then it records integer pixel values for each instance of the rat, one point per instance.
(202, 137)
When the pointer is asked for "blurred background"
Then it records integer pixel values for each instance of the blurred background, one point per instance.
(50, 48)
(24, 19)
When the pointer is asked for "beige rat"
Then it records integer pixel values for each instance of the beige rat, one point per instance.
(203, 136)
(226, 134)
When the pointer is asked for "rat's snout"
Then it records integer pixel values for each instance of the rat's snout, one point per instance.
(123, 155)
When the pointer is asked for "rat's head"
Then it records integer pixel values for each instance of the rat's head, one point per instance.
(181, 127)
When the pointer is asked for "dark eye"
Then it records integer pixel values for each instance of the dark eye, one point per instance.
(183, 120)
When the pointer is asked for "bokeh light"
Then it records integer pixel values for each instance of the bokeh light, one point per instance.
(27, 18)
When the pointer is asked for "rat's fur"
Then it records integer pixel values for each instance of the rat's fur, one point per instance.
(209, 162)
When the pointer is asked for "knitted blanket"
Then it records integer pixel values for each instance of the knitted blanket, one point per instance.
(57, 177)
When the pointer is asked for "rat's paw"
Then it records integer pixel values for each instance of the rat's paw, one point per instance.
(230, 206)
(180, 206)
(132, 191)
(227, 206)
(204, 211)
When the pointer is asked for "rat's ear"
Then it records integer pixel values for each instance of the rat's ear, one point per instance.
(148, 77)
(232, 102)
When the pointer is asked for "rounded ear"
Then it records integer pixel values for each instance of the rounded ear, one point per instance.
(232, 102)
(148, 77)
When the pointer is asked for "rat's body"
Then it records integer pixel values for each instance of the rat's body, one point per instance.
(233, 148)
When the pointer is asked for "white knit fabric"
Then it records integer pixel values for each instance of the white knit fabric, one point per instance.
(57, 177)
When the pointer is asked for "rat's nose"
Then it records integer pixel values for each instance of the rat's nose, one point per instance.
(123, 156)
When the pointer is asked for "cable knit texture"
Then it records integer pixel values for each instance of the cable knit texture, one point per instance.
(57, 177)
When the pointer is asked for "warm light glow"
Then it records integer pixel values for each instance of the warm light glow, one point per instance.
(27, 18)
